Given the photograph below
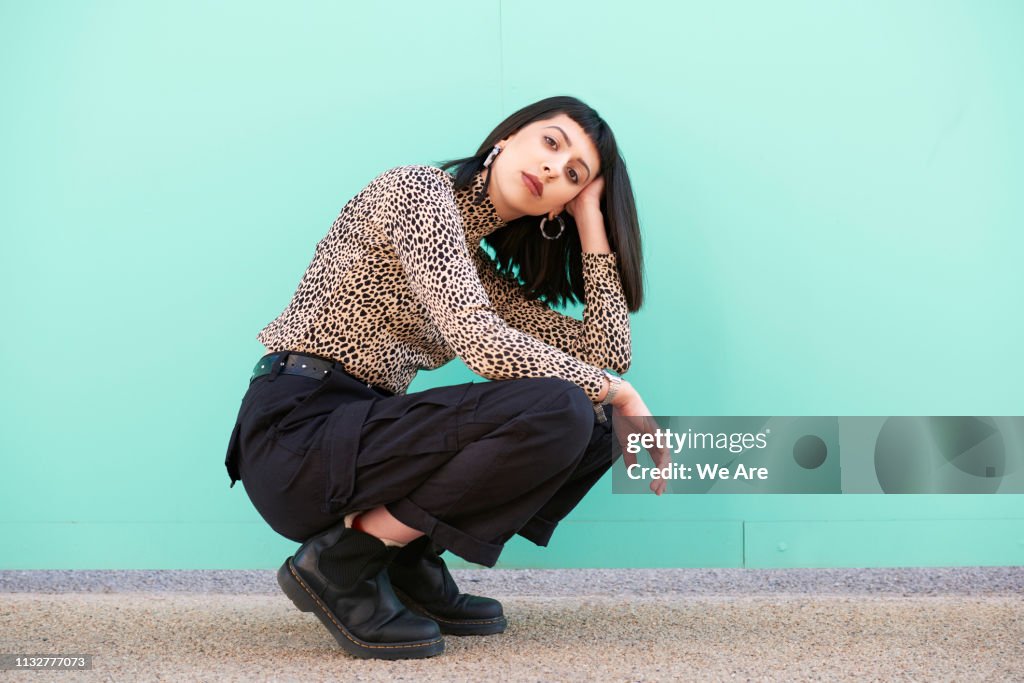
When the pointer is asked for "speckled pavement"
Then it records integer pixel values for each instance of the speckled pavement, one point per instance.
(962, 624)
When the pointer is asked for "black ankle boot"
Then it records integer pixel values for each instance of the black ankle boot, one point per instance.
(422, 581)
(341, 576)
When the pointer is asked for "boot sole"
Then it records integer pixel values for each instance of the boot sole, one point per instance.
(307, 601)
(455, 627)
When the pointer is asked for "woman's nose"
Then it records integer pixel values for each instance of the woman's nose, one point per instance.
(553, 168)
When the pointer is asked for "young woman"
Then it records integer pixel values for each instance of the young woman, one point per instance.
(375, 482)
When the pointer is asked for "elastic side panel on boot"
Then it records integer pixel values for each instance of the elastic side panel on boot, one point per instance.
(411, 554)
(355, 557)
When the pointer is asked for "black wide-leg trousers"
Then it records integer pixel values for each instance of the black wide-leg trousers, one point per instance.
(469, 465)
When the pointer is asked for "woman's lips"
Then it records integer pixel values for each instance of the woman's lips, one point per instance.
(533, 184)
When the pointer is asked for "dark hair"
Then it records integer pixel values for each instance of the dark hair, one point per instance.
(553, 269)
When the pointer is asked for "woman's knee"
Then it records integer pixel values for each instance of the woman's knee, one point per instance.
(553, 408)
(574, 410)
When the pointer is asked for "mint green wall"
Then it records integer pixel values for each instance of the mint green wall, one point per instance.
(830, 194)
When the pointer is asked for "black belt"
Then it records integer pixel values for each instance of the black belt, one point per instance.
(294, 363)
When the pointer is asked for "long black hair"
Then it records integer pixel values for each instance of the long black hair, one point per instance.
(552, 270)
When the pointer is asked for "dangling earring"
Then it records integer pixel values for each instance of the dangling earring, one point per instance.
(487, 178)
(561, 229)
(490, 157)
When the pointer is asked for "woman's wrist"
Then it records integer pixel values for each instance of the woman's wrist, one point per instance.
(590, 225)
(589, 217)
(614, 384)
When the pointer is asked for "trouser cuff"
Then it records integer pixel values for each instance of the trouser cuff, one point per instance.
(538, 530)
(444, 535)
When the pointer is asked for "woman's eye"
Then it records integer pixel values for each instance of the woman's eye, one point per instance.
(573, 174)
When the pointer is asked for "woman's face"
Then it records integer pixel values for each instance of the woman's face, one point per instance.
(559, 156)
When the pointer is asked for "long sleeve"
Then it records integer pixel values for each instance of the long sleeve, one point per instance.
(424, 226)
(601, 339)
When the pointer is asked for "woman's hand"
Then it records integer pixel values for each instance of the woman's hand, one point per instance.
(588, 199)
(631, 416)
(585, 208)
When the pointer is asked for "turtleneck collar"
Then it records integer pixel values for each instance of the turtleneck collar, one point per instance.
(479, 218)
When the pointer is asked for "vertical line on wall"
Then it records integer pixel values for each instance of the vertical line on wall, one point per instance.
(743, 544)
(501, 64)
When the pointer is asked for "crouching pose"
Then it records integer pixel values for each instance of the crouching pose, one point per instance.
(375, 483)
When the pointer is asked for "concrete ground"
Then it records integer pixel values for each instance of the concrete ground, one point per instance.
(949, 624)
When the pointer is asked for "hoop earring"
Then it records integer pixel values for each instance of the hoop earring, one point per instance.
(490, 157)
(561, 228)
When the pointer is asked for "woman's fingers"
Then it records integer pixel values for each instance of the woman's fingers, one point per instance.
(635, 427)
(662, 459)
(591, 194)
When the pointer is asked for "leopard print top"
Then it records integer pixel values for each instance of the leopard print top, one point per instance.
(400, 282)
